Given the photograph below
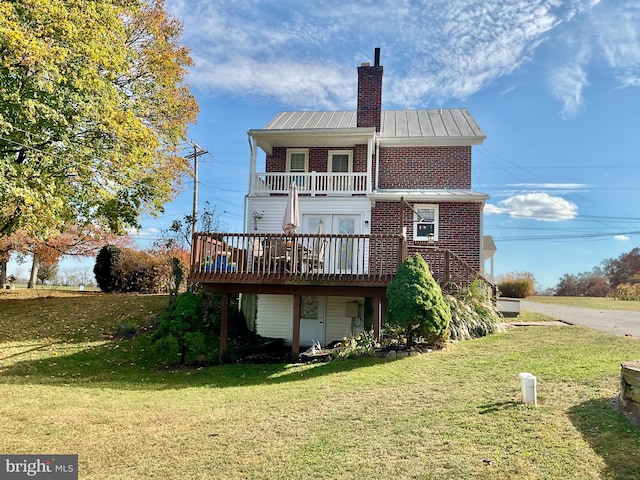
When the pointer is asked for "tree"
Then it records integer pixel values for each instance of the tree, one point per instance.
(624, 269)
(92, 109)
(47, 271)
(416, 303)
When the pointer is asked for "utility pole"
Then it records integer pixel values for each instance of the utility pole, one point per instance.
(197, 151)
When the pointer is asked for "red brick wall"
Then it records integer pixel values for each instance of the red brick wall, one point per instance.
(458, 227)
(425, 167)
(318, 159)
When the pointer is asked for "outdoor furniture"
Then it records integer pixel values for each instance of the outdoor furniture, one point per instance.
(312, 257)
(276, 256)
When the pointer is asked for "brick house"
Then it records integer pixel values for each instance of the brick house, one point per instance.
(372, 187)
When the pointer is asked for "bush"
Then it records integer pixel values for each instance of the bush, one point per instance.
(473, 312)
(181, 330)
(104, 268)
(362, 344)
(516, 285)
(626, 291)
(127, 270)
(416, 303)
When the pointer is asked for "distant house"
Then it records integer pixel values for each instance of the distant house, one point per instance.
(373, 186)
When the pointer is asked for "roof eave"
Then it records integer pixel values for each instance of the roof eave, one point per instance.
(430, 141)
(267, 139)
(466, 196)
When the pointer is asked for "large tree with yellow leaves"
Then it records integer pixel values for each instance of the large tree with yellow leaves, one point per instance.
(92, 109)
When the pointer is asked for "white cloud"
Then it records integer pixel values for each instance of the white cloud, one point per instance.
(292, 50)
(304, 53)
(536, 206)
(567, 84)
(618, 35)
(622, 238)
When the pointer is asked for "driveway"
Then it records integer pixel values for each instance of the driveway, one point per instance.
(617, 322)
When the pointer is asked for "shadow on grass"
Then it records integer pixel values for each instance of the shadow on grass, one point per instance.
(131, 365)
(611, 436)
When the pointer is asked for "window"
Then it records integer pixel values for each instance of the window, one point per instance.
(425, 223)
(297, 162)
(340, 161)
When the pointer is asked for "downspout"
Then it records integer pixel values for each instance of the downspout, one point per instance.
(482, 240)
(369, 162)
(377, 163)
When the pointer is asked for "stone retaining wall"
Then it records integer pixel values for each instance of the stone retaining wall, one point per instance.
(630, 387)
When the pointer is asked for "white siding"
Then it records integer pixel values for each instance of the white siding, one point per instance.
(338, 325)
(272, 211)
(275, 316)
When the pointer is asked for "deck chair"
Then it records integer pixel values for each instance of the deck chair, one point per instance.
(313, 258)
(275, 254)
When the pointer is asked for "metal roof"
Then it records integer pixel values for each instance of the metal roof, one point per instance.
(399, 125)
(443, 195)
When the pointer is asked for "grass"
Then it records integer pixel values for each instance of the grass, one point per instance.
(606, 303)
(449, 414)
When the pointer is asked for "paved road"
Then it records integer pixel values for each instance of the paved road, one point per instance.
(617, 322)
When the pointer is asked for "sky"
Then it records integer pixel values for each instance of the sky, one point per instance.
(554, 84)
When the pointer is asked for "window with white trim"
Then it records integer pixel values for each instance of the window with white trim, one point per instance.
(425, 223)
(298, 162)
(340, 161)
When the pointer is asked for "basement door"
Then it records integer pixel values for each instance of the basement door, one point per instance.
(312, 320)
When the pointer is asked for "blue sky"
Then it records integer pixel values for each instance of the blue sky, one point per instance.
(554, 84)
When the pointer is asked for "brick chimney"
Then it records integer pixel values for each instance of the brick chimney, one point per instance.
(370, 93)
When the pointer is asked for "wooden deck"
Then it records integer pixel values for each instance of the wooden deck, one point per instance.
(342, 265)
(277, 263)
(314, 264)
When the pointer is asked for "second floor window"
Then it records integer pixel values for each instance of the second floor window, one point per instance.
(340, 161)
(297, 162)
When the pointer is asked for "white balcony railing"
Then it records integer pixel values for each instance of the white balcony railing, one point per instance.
(311, 183)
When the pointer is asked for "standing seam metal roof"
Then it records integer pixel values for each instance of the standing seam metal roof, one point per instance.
(436, 123)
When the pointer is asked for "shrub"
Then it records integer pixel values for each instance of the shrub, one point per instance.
(128, 270)
(516, 284)
(416, 303)
(104, 268)
(626, 291)
(362, 344)
(473, 312)
(181, 330)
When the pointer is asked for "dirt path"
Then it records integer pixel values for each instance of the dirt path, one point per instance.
(617, 322)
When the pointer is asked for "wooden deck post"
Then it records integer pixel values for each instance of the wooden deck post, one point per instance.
(377, 319)
(295, 337)
(224, 325)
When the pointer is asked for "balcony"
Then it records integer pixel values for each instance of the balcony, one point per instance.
(319, 264)
(311, 183)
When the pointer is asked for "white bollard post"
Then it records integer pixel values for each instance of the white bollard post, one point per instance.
(528, 383)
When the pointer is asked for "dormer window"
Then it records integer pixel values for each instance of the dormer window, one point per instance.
(425, 223)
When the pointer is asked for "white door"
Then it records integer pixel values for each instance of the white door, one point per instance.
(312, 321)
(344, 250)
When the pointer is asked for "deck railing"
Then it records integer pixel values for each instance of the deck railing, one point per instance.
(306, 256)
(312, 183)
(309, 258)
(448, 268)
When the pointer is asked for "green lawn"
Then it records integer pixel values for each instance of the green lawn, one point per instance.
(67, 387)
(589, 302)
